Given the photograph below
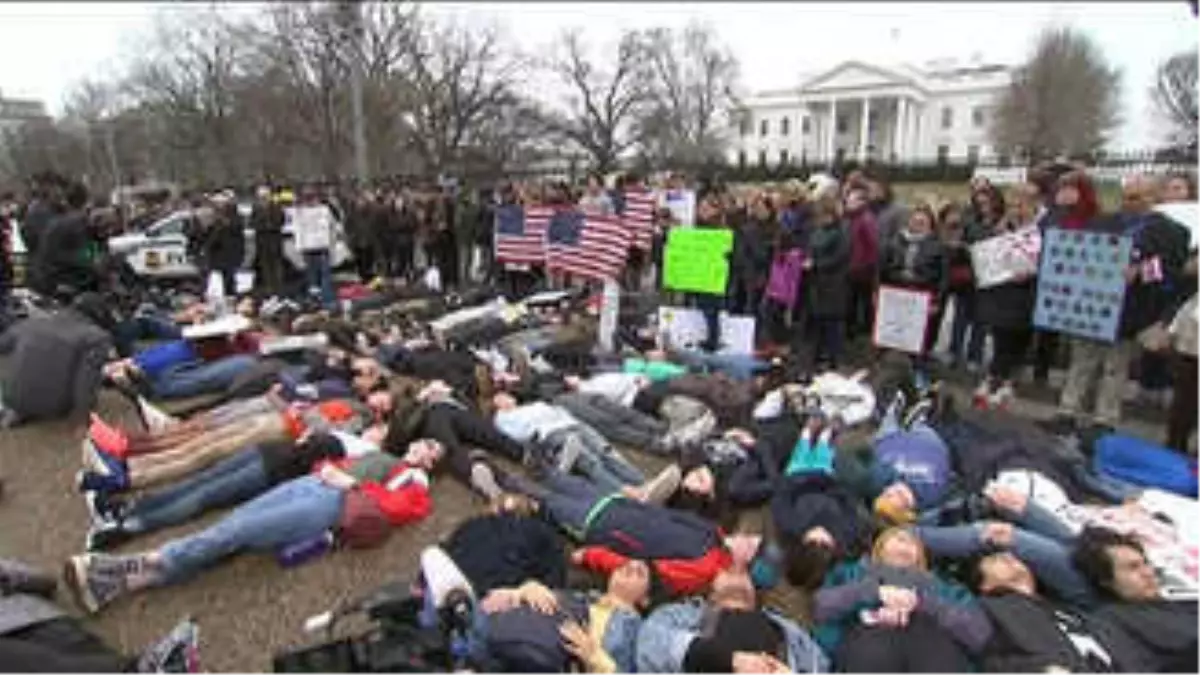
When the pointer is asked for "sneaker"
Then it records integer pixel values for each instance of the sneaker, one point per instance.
(659, 489)
(981, 397)
(105, 535)
(118, 481)
(97, 579)
(1003, 397)
(153, 418)
(177, 652)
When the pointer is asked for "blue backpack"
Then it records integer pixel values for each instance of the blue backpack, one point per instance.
(1141, 462)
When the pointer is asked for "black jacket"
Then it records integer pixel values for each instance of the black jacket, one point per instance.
(807, 501)
(751, 259)
(504, 551)
(1007, 306)
(225, 245)
(1164, 633)
(926, 269)
(1155, 236)
(62, 258)
(55, 365)
(1029, 634)
(826, 282)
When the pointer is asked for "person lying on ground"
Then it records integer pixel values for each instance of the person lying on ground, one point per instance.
(55, 362)
(533, 549)
(728, 632)
(531, 628)
(295, 511)
(117, 470)
(890, 613)
(1164, 631)
(1032, 633)
(185, 368)
(38, 636)
(685, 551)
(238, 478)
(551, 428)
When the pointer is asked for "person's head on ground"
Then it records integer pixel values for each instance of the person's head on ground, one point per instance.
(896, 505)
(1179, 187)
(1115, 564)
(1000, 572)
(900, 548)
(630, 583)
(807, 558)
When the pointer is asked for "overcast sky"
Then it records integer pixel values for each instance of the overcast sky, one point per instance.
(47, 46)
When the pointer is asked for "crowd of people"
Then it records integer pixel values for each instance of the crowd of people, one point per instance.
(928, 535)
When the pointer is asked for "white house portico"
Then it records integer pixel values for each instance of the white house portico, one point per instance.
(862, 111)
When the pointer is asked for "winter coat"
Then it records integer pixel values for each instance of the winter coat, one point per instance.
(1165, 633)
(863, 231)
(916, 263)
(1154, 236)
(1028, 637)
(806, 501)
(55, 365)
(226, 242)
(891, 218)
(524, 639)
(826, 284)
(63, 256)
(751, 258)
(505, 550)
(1010, 305)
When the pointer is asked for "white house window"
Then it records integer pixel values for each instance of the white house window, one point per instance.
(805, 126)
(762, 157)
(947, 117)
(764, 127)
(943, 153)
(843, 122)
(783, 157)
(744, 126)
(977, 117)
(972, 154)
(785, 126)
(741, 158)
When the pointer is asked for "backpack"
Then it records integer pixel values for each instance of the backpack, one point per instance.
(1144, 463)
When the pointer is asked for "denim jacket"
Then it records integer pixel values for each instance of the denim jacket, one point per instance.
(668, 632)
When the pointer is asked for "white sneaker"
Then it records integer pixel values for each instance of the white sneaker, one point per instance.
(1003, 397)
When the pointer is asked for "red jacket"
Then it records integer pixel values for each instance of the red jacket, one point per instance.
(402, 497)
(864, 245)
(681, 577)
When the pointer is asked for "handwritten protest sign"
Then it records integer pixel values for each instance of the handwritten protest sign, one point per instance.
(1081, 283)
(1005, 258)
(696, 260)
(682, 205)
(901, 319)
(686, 328)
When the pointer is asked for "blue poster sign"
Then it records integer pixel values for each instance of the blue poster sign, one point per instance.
(1081, 283)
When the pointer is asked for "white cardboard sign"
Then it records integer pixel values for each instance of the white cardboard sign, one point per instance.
(901, 319)
(685, 327)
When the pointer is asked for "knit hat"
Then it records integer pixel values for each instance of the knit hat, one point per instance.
(882, 538)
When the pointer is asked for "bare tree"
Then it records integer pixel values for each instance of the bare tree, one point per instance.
(1175, 94)
(603, 105)
(1064, 100)
(458, 83)
(694, 79)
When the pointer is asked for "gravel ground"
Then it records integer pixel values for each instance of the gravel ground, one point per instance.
(248, 608)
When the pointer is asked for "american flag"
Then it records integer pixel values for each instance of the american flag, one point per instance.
(639, 217)
(520, 236)
(586, 245)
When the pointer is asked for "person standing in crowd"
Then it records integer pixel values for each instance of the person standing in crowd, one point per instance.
(266, 218)
(916, 260)
(467, 221)
(359, 214)
(1074, 206)
(889, 214)
(1159, 253)
(983, 215)
(863, 232)
(827, 280)
(225, 244)
(446, 237)
(595, 199)
(751, 258)
(313, 222)
(38, 215)
(63, 265)
(1007, 309)
(710, 215)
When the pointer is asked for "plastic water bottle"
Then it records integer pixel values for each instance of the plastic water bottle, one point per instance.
(298, 553)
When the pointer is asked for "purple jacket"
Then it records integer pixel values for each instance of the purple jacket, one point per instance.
(864, 245)
(786, 271)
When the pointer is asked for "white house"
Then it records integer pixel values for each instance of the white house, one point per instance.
(859, 111)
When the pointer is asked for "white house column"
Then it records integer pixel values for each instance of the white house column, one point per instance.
(898, 132)
(864, 130)
(832, 129)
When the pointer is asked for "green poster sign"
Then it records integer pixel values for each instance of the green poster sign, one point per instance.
(696, 260)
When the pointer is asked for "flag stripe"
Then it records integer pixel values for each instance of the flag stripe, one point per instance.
(639, 217)
(600, 251)
(529, 246)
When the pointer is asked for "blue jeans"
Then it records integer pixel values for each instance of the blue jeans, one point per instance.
(319, 272)
(737, 366)
(143, 327)
(202, 377)
(600, 462)
(569, 499)
(294, 511)
(231, 481)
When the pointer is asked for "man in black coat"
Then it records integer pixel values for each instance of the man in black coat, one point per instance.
(266, 218)
(62, 264)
